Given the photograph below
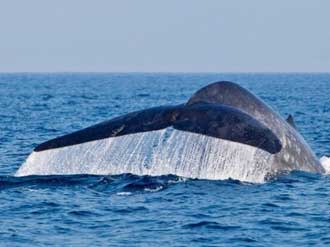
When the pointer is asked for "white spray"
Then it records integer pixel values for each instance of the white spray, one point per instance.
(166, 151)
(325, 162)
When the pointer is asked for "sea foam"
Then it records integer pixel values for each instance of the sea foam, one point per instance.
(155, 153)
(325, 162)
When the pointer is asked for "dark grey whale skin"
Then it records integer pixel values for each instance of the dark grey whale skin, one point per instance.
(214, 120)
(223, 110)
(295, 153)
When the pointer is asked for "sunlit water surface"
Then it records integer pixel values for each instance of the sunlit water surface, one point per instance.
(129, 210)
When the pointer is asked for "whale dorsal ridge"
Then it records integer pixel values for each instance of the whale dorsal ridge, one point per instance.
(291, 121)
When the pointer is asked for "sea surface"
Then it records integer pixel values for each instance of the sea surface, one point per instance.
(130, 210)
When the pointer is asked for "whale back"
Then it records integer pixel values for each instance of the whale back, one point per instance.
(295, 154)
(231, 94)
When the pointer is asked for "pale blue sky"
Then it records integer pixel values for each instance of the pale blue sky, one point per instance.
(165, 36)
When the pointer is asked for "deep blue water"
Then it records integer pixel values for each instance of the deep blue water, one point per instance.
(129, 210)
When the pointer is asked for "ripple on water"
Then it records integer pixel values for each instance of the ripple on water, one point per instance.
(128, 210)
(211, 225)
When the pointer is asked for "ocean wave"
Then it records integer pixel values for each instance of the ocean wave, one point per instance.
(125, 184)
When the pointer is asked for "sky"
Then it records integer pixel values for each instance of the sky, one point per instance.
(165, 36)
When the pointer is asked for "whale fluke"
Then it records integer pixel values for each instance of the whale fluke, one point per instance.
(140, 121)
(213, 120)
(223, 131)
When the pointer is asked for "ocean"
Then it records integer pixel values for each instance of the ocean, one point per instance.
(131, 210)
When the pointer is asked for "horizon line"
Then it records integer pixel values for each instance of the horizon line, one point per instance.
(164, 72)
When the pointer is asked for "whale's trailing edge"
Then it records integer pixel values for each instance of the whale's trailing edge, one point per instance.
(222, 131)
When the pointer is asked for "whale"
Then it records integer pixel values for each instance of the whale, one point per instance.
(223, 131)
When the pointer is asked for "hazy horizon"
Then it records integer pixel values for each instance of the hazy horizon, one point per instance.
(210, 36)
(164, 72)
